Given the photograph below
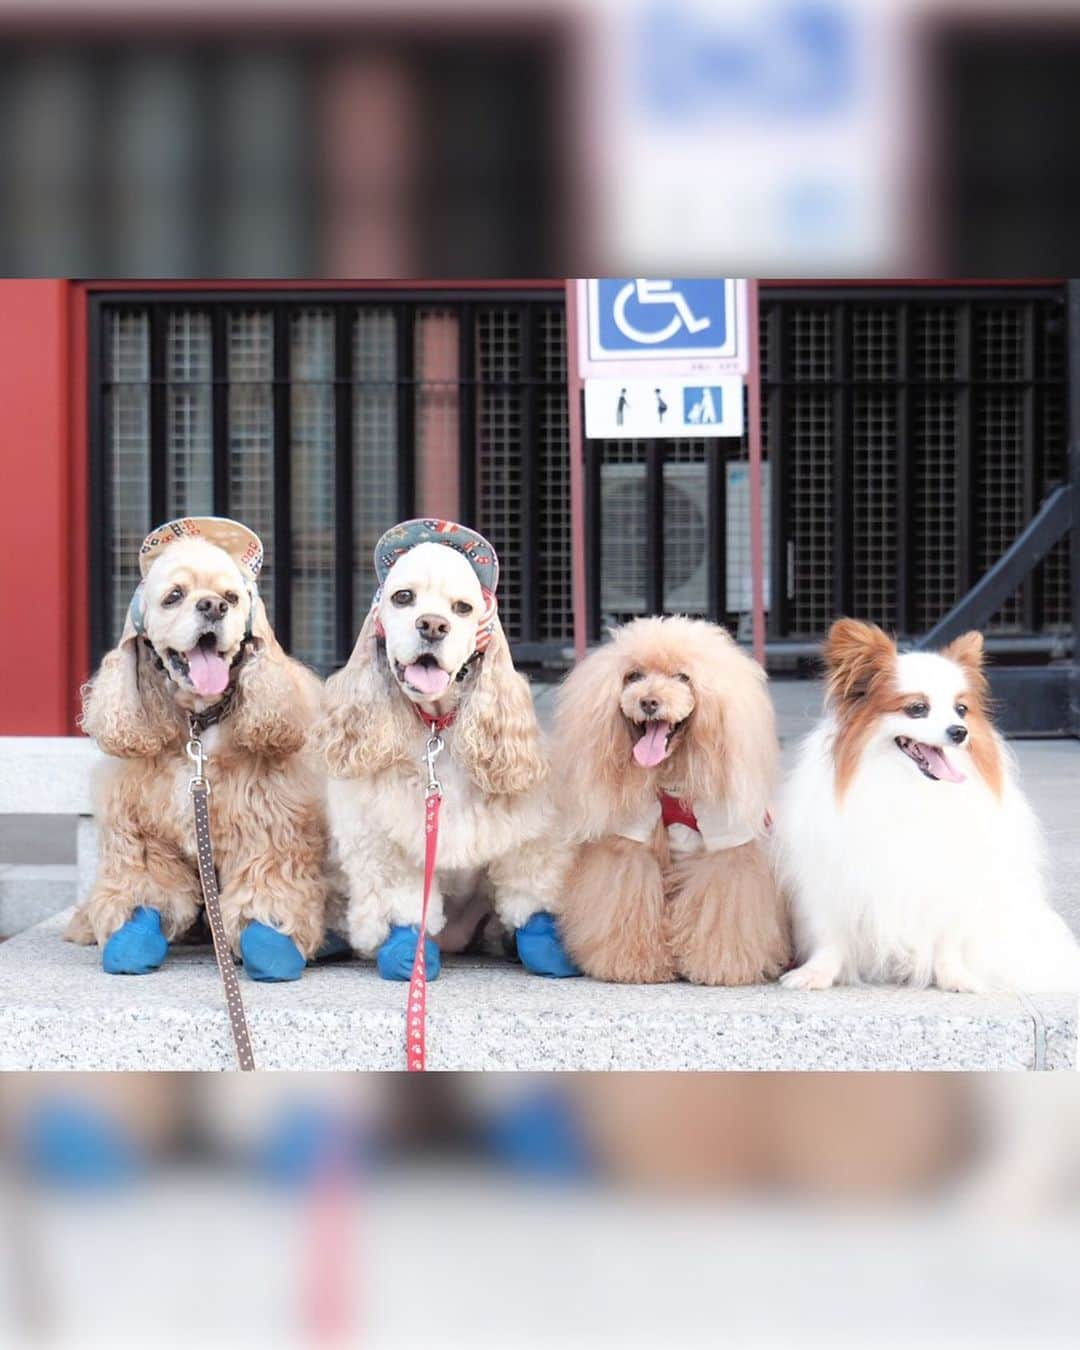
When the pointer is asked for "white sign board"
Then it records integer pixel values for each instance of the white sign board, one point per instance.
(778, 132)
(651, 326)
(663, 406)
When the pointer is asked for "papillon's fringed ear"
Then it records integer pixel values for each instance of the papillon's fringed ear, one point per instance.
(967, 650)
(857, 655)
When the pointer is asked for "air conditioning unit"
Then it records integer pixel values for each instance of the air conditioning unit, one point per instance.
(624, 539)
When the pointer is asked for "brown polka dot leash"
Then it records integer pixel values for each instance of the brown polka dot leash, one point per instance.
(199, 787)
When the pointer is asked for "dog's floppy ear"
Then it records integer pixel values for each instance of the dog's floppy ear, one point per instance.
(259, 623)
(366, 724)
(277, 699)
(496, 735)
(126, 707)
(857, 654)
(592, 746)
(730, 752)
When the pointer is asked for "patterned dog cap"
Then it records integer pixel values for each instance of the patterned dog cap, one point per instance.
(401, 538)
(241, 544)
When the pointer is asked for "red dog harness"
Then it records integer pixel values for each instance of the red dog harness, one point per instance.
(675, 812)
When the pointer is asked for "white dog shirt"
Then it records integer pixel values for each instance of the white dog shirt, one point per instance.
(690, 829)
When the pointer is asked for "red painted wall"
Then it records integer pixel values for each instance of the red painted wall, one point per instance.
(36, 657)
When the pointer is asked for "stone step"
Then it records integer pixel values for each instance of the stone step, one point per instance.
(31, 892)
(58, 1010)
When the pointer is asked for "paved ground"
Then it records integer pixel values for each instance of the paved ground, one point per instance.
(59, 1011)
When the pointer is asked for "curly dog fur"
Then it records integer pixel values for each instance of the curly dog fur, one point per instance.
(266, 805)
(498, 847)
(644, 902)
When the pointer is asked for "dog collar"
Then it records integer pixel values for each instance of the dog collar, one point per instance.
(436, 725)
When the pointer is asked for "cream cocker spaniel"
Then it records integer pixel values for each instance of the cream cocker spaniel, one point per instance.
(432, 651)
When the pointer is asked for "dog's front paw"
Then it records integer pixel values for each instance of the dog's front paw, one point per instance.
(540, 948)
(956, 980)
(810, 976)
(395, 957)
(269, 956)
(137, 947)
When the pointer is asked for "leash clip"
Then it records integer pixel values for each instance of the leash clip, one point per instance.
(435, 747)
(194, 751)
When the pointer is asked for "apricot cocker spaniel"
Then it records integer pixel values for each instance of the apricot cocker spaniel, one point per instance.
(197, 643)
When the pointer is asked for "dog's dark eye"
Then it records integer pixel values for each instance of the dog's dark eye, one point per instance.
(462, 607)
(683, 676)
(403, 598)
(918, 709)
(232, 597)
(632, 677)
(174, 596)
(961, 710)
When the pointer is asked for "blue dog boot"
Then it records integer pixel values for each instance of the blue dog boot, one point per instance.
(540, 1135)
(540, 948)
(137, 947)
(269, 955)
(301, 1144)
(70, 1143)
(334, 948)
(395, 957)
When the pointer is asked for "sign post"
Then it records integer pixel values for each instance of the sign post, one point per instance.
(661, 358)
(757, 543)
(578, 578)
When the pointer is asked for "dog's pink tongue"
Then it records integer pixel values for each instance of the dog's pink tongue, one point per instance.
(427, 679)
(940, 766)
(652, 748)
(208, 671)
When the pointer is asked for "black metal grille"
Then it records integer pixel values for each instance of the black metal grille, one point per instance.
(919, 431)
(322, 420)
(908, 435)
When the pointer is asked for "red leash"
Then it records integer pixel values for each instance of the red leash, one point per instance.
(416, 1018)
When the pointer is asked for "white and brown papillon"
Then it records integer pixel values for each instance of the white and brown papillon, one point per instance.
(905, 845)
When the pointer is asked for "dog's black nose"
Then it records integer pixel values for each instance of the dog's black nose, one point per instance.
(957, 734)
(213, 607)
(432, 627)
(649, 707)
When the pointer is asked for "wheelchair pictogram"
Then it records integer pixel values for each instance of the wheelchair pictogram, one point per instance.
(690, 326)
(659, 295)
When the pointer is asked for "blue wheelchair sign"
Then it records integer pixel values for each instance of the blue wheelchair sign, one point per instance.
(660, 319)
